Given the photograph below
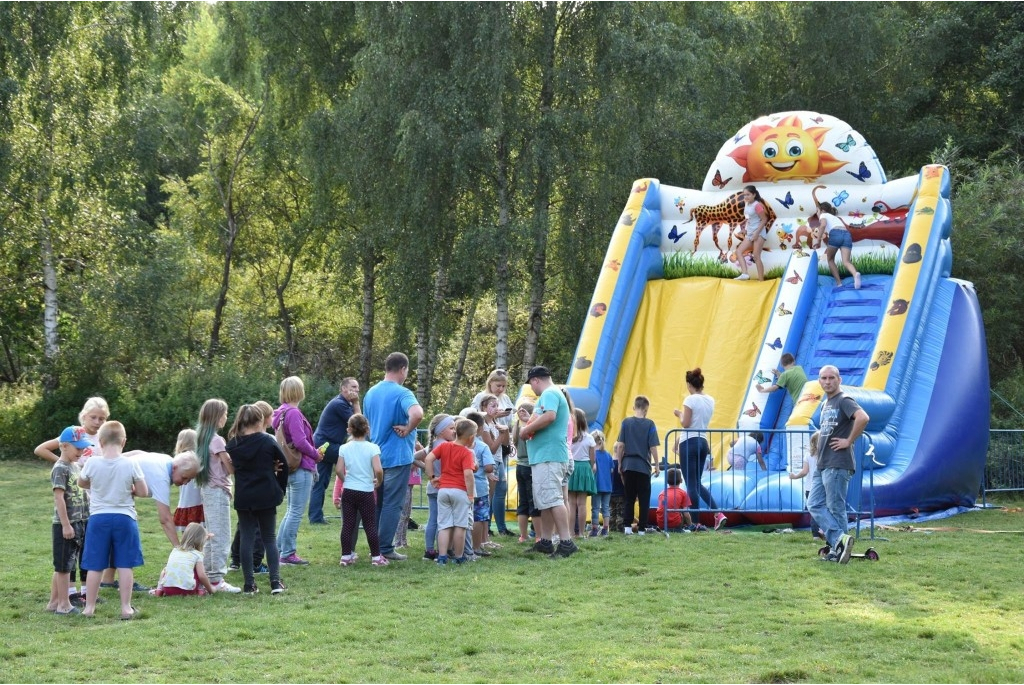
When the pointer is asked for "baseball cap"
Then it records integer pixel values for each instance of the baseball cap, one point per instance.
(76, 436)
(538, 372)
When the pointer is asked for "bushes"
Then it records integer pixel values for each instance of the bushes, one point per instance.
(152, 411)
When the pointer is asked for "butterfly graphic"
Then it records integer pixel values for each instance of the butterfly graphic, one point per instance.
(799, 252)
(817, 120)
(842, 197)
(777, 345)
(862, 173)
(932, 172)
(782, 310)
(717, 180)
(795, 278)
(675, 235)
(788, 202)
(761, 378)
(856, 214)
(850, 142)
(680, 203)
(739, 137)
(754, 411)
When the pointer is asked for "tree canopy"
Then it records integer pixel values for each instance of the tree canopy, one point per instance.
(251, 190)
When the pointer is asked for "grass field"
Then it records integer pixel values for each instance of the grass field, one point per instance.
(944, 605)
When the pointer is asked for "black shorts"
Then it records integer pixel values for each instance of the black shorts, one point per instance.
(66, 553)
(524, 486)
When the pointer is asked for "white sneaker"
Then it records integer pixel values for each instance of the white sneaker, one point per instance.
(628, 531)
(225, 586)
(742, 277)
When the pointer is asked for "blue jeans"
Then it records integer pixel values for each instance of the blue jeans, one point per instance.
(499, 502)
(693, 452)
(390, 498)
(827, 502)
(600, 504)
(299, 485)
(324, 470)
(431, 531)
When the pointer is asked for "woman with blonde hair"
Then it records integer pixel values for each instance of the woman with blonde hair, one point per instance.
(299, 434)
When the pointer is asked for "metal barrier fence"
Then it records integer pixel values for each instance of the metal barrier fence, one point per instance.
(1004, 466)
(1004, 472)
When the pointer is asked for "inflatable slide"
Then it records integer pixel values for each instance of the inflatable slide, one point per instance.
(909, 342)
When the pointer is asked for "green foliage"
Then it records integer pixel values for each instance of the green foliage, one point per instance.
(430, 159)
(20, 420)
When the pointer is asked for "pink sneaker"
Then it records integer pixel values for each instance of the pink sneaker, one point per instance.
(720, 520)
(378, 561)
(348, 561)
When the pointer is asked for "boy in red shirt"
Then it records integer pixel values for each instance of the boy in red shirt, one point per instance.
(674, 497)
(455, 489)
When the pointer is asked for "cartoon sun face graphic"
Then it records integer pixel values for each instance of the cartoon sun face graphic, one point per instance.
(785, 152)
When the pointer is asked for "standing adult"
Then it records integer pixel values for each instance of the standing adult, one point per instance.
(333, 430)
(549, 461)
(297, 432)
(497, 384)
(695, 416)
(393, 412)
(842, 422)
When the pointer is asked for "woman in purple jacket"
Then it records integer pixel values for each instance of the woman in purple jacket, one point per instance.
(298, 433)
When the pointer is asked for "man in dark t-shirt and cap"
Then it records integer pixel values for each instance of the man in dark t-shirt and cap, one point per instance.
(842, 422)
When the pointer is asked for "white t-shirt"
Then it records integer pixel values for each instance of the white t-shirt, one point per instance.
(358, 455)
(156, 468)
(702, 408)
(181, 568)
(581, 449)
(110, 484)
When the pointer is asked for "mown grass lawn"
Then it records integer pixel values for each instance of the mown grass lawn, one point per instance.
(940, 606)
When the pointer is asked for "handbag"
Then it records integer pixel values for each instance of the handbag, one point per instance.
(292, 456)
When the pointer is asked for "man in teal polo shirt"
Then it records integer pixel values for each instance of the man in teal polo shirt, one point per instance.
(549, 460)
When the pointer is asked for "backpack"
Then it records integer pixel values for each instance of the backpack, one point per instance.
(291, 455)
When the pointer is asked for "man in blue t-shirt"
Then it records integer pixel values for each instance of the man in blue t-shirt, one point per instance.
(547, 432)
(393, 412)
(333, 430)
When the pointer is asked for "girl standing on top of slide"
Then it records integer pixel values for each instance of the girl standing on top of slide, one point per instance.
(839, 240)
(757, 231)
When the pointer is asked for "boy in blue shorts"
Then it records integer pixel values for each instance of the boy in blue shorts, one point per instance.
(113, 481)
(484, 461)
(70, 515)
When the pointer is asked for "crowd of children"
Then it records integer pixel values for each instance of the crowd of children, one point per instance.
(94, 527)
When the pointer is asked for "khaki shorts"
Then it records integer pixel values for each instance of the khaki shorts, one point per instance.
(453, 510)
(547, 484)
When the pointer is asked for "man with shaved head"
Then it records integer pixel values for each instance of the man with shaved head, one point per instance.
(842, 422)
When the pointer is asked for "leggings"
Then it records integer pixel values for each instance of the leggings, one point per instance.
(365, 504)
(636, 485)
(431, 530)
(263, 522)
(693, 452)
(257, 548)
